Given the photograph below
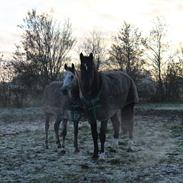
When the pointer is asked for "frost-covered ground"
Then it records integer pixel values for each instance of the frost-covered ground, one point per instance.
(158, 155)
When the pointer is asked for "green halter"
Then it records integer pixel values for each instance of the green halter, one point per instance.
(75, 111)
(92, 104)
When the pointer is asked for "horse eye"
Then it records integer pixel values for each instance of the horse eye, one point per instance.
(72, 77)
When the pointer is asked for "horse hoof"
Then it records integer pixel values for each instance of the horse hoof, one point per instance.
(102, 156)
(76, 151)
(46, 147)
(62, 151)
(134, 149)
(115, 143)
(130, 150)
(59, 146)
(95, 157)
(130, 146)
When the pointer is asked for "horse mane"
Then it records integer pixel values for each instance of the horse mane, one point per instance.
(97, 78)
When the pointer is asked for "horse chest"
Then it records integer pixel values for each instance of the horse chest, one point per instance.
(98, 108)
(92, 106)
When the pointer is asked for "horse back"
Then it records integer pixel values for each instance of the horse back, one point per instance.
(54, 101)
(119, 87)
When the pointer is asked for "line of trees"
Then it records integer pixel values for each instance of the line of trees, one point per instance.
(159, 76)
(46, 46)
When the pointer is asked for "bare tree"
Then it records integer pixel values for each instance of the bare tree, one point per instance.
(173, 79)
(127, 50)
(94, 43)
(6, 70)
(27, 72)
(157, 46)
(45, 47)
(180, 58)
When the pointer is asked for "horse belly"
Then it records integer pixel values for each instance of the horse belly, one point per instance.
(106, 111)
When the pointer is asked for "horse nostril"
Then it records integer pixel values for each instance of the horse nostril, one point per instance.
(64, 91)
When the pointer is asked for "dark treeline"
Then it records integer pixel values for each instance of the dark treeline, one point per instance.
(46, 46)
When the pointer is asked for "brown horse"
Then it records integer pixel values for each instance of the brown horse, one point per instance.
(71, 86)
(105, 96)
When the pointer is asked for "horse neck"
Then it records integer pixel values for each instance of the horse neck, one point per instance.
(96, 84)
(75, 92)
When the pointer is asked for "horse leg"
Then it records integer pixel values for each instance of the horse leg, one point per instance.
(46, 130)
(56, 127)
(102, 136)
(128, 121)
(76, 136)
(116, 127)
(64, 132)
(124, 124)
(94, 132)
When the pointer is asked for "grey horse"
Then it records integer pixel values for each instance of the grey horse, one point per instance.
(63, 107)
(55, 104)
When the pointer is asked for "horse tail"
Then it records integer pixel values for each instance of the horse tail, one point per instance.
(132, 97)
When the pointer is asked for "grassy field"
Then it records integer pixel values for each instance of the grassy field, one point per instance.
(34, 113)
(157, 155)
(161, 106)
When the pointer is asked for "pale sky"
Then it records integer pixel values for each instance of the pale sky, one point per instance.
(86, 15)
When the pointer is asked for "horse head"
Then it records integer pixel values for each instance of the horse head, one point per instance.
(69, 80)
(87, 75)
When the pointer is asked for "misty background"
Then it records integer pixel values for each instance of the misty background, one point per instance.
(46, 44)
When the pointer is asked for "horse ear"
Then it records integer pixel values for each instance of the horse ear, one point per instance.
(91, 56)
(73, 67)
(81, 56)
(65, 66)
